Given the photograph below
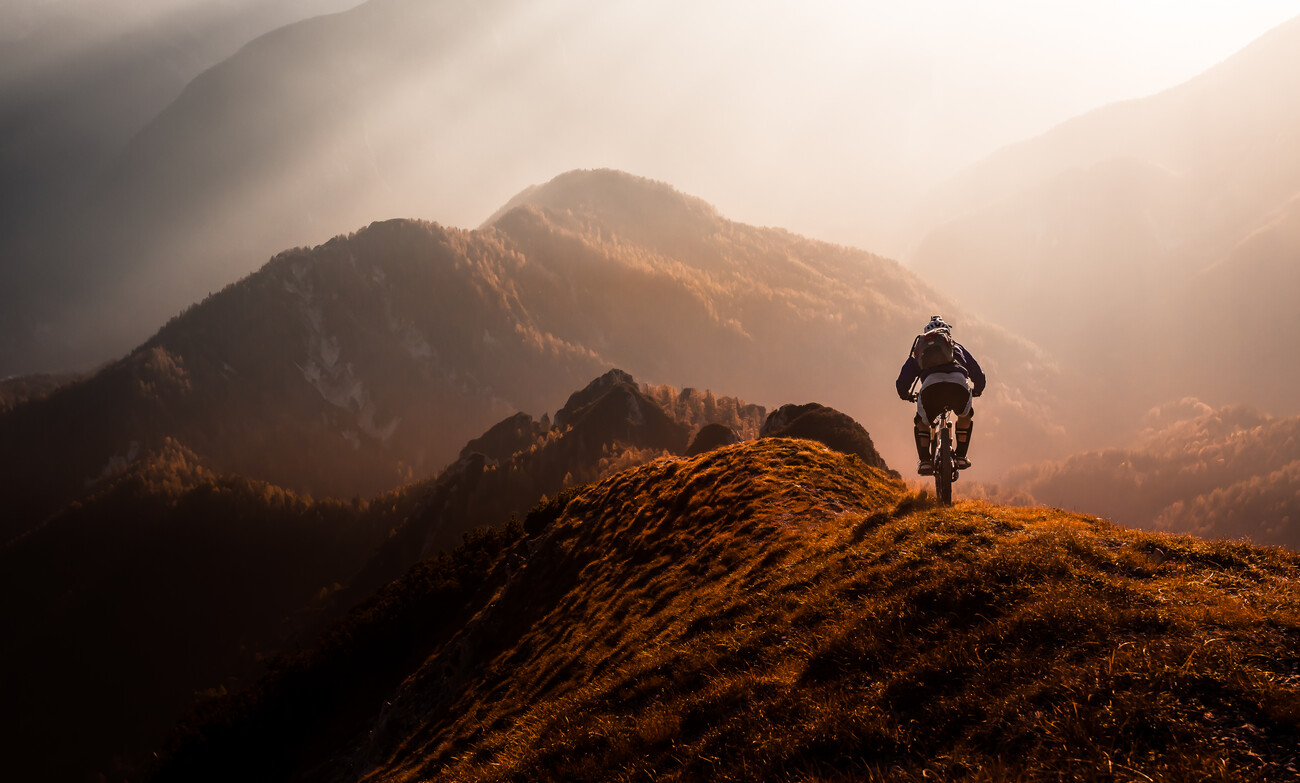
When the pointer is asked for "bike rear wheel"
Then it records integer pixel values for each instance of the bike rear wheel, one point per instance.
(943, 468)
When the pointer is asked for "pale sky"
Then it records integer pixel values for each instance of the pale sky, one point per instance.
(1053, 60)
(940, 84)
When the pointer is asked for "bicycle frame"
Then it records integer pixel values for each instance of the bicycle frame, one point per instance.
(943, 437)
(943, 440)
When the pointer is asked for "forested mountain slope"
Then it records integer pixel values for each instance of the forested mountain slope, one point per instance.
(165, 579)
(1216, 472)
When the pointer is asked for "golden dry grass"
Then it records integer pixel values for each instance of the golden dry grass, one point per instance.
(777, 611)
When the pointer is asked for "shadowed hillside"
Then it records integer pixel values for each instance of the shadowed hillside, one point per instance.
(776, 610)
(161, 580)
(14, 391)
(76, 84)
(182, 580)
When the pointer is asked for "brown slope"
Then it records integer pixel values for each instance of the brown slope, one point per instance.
(774, 610)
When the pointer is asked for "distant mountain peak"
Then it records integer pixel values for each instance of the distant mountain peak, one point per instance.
(614, 408)
(617, 199)
(592, 392)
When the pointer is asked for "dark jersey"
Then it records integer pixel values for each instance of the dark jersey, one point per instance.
(962, 363)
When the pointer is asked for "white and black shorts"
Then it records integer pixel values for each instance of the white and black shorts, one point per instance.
(948, 389)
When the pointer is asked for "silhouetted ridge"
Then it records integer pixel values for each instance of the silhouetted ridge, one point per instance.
(613, 407)
(591, 393)
(512, 434)
(826, 425)
(609, 425)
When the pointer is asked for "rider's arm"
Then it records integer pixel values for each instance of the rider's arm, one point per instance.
(906, 377)
(973, 369)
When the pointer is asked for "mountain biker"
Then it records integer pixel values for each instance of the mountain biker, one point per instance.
(948, 383)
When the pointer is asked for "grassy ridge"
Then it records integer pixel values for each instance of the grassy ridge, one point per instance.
(775, 610)
(778, 611)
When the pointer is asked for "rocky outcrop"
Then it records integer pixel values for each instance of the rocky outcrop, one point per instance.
(710, 437)
(814, 421)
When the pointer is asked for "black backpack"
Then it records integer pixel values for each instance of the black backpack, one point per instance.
(934, 348)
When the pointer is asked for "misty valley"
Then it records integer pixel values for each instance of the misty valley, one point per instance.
(613, 486)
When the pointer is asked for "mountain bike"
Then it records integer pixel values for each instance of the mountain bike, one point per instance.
(943, 437)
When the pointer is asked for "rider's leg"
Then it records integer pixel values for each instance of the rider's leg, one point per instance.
(964, 426)
(922, 432)
(921, 427)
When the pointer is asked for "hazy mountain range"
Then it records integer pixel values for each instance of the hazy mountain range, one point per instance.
(76, 85)
(368, 361)
(396, 108)
(1170, 213)
(416, 110)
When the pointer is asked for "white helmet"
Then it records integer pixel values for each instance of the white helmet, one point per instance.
(937, 322)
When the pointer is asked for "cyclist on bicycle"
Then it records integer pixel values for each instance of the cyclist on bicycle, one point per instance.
(949, 375)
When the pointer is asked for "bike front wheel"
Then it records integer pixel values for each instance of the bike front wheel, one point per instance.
(943, 468)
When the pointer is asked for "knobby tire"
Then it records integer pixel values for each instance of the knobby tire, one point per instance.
(944, 469)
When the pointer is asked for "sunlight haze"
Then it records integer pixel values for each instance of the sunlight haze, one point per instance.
(832, 119)
(879, 101)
